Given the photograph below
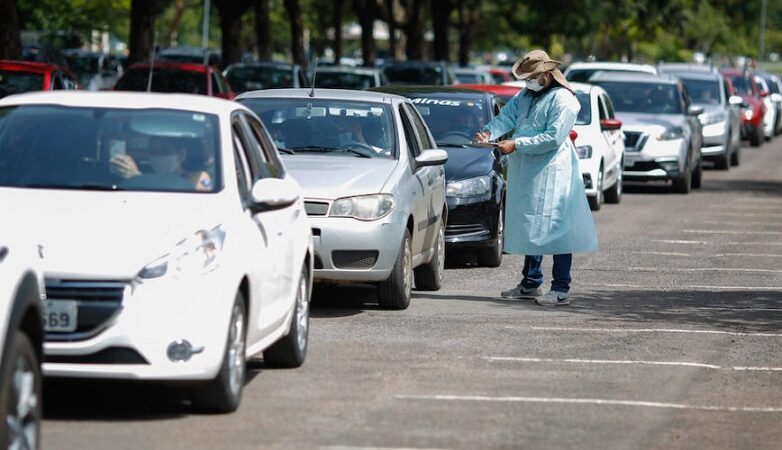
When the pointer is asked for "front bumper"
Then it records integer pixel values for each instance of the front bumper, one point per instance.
(658, 160)
(133, 343)
(715, 139)
(472, 225)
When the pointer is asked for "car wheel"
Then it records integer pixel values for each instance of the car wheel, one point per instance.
(682, 184)
(429, 277)
(224, 393)
(697, 176)
(735, 158)
(20, 394)
(596, 201)
(614, 193)
(492, 256)
(394, 292)
(756, 138)
(291, 350)
(723, 161)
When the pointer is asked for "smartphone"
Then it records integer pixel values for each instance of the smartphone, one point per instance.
(117, 148)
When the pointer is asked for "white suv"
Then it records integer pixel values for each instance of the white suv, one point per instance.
(21, 292)
(175, 243)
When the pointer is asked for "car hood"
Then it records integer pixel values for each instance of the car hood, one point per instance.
(105, 234)
(332, 177)
(650, 122)
(467, 162)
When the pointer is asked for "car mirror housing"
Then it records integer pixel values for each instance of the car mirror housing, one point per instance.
(695, 110)
(431, 157)
(735, 100)
(776, 97)
(273, 193)
(610, 124)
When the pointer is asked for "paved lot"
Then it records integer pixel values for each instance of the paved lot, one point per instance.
(674, 341)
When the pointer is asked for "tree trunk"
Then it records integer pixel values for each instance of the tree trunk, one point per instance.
(173, 28)
(366, 12)
(469, 15)
(263, 30)
(293, 9)
(142, 31)
(414, 30)
(336, 23)
(390, 17)
(441, 13)
(231, 27)
(10, 39)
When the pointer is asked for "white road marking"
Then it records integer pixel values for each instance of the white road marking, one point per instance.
(681, 288)
(590, 401)
(673, 241)
(754, 255)
(623, 361)
(718, 255)
(645, 330)
(661, 253)
(728, 223)
(748, 215)
(677, 241)
(701, 269)
(744, 232)
(364, 447)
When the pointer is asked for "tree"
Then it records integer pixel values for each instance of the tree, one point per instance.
(263, 30)
(10, 41)
(142, 28)
(441, 16)
(293, 9)
(414, 29)
(336, 23)
(231, 12)
(469, 13)
(367, 12)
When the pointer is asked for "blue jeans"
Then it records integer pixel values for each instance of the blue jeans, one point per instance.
(533, 276)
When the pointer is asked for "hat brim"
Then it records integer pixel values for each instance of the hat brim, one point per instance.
(540, 68)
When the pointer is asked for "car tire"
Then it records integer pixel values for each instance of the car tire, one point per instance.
(429, 276)
(492, 256)
(697, 176)
(735, 158)
(291, 350)
(682, 184)
(614, 193)
(20, 395)
(395, 291)
(723, 161)
(224, 393)
(596, 201)
(756, 137)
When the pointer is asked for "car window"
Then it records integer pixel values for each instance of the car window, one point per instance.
(250, 78)
(649, 98)
(585, 113)
(451, 121)
(345, 80)
(601, 109)
(422, 75)
(57, 83)
(268, 165)
(241, 168)
(16, 82)
(163, 80)
(703, 92)
(741, 85)
(421, 128)
(609, 106)
(413, 145)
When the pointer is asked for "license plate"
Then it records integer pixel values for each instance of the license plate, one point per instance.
(629, 163)
(60, 315)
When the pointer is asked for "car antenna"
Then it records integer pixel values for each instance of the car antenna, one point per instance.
(314, 75)
(152, 64)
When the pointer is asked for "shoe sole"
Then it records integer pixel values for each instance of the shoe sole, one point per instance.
(521, 297)
(560, 303)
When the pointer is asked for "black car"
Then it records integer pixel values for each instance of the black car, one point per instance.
(419, 73)
(253, 76)
(475, 189)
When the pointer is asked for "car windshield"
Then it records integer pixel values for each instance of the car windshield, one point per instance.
(328, 127)
(345, 80)
(648, 98)
(244, 79)
(83, 64)
(585, 113)
(469, 77)
(742, 85)
(414, 75)
(15, 82)
(164, 80)
(452, 121)
(580, 75)
(773, 87)
(86, 148)
(703, 92)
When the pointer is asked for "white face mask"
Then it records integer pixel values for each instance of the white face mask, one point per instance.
(166, 165)
(534, 86)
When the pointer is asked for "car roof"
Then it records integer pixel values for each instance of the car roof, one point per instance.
(686, 67)
(321, 93)
(734, 72)
(415, 64)
(470, 70)
(499, 89)
(126, 100)
(27, 66)
(711, 76)
(648, 68)
(275, 64)
(434, 91)
(187, 67)
(633, 77)
(348, 69)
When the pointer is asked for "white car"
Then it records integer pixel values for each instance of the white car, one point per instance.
(582, 71)
(21, 293)
(600, 145)
(175, 243)
(770, 118)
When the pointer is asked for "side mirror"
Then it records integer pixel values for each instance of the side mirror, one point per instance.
(610, 124)
(735, 100)
(763, 93)
(273, 193)
(431, 157)
(695, 110)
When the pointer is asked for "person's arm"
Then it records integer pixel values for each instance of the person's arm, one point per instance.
(561, 118)
(505, 121)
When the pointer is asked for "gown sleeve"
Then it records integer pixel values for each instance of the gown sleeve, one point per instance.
(559, 121)
(506, 120)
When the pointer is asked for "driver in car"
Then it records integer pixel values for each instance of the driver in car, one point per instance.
(350, 131)
(165, 156)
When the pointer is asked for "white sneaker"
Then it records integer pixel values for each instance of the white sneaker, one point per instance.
(553, 298)
(522, 292)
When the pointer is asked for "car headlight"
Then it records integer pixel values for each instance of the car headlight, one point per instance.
(584, 151)
(748, 114)
(470, 187)
(196, 254)
(363, 207)
(671, 134)
(709, 119)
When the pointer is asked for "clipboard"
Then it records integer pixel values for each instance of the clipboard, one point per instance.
(485, 144)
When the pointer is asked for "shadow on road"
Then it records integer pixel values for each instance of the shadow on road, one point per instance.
(342, 301)
(755, 187)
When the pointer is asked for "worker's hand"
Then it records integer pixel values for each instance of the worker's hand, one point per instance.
(507, 146)
(482, 136)
(124, 166)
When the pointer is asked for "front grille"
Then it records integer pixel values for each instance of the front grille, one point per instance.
(111, 355)
(635, 140)
(643, 166)
(317, 263)
(97, 302)
(354, 259)
(465, 229)
(316, 208)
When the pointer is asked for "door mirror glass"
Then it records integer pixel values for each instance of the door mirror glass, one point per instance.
(432, 157)
(610, 124)
(273, 193)
(735, 100)
(695, 110)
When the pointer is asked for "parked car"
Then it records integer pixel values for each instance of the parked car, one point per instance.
(17, 77)
(181, 246)
(770, 118)
(191, 55)
(420, 73)
(743, 85)
(21, 334)
(475, 183)
(663, 135)
(774, 84)
(176, 77)
(373, 181)
(474, 75)
(599, 145)
(342, 77)
(721, 118)
(504, 92)
(245, 77)
(95, 71)
(582, 71)
(500, 75)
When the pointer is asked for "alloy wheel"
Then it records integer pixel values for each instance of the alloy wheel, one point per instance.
(302, 314)
(441, 252)
(236, 357)
(21, 418)
(407, 267)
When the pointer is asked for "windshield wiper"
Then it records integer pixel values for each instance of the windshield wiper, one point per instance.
(80, 187)
(452, 144)
(314, 149)
(287, 151)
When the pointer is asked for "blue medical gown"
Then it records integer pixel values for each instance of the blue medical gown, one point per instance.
(546, 210)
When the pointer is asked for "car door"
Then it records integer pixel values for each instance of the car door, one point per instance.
(614, 139)
(695, 129)
(415, 187)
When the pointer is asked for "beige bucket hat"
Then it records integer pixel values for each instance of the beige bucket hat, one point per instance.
(536, 63)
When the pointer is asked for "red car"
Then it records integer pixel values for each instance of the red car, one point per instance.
(501, 75)
(502, 91)
(176, 77)
(742, 84)
(17, 77)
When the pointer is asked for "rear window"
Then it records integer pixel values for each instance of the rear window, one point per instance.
(345, 80)
(244, 79)
(13, 82)
(164, 80)
(647, 98)
(414, 75)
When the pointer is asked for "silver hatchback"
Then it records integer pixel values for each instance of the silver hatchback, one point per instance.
(374, 185)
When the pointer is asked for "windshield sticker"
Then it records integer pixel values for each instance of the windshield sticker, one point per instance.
(199, 117)
(431, 101)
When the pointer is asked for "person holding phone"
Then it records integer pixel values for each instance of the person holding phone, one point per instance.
(546, 211)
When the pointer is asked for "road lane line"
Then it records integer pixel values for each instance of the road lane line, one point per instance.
(774, 369)
(699, 231)
(700, 269)
(662, 253)
(718, 255)
(754, 255)
(678, 241)
(682, 288)
(771, 216)
(364, 447)
(590, 401)
(632, 362)
(646, 330)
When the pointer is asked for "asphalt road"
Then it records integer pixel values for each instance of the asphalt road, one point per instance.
(674, 341)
